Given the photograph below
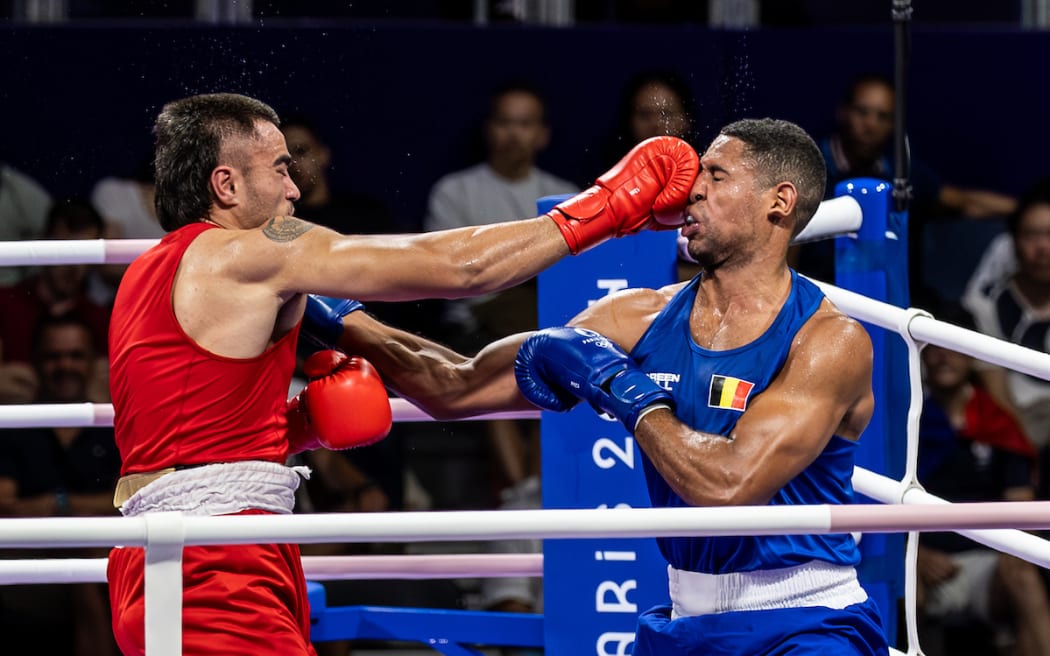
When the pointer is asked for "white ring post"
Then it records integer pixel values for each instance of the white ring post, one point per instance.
(165, 537)
(911, 480)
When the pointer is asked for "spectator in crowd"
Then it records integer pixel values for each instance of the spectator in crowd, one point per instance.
(971, 449)
(347, 212)
(46, 472)
(343, 211)
(504, 187)
(23, 214)
(1015, 306)
(861, 146)
(126, 206)
(370, 478)
(654, 102)
(55, 290)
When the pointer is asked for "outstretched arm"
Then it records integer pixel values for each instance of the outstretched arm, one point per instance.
(649, 185)
(438, 380)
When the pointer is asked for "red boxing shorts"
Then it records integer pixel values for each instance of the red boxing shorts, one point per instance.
(237, 599)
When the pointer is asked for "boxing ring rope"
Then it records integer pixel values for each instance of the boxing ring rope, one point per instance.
(464, 525)
(51, 415)
(317, 568)
(835, 216)
(164, 535)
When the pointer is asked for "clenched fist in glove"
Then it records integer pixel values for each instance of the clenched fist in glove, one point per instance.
(557, 366)
(344, 405)
(651, 182)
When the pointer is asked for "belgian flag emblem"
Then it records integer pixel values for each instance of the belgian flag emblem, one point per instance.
(728, 392)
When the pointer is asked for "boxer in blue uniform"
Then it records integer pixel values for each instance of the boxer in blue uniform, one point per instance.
(744, 386)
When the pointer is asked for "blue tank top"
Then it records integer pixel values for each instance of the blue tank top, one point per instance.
(711, 389)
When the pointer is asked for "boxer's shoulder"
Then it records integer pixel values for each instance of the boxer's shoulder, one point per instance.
(624, 316)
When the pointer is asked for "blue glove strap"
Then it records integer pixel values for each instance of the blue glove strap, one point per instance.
(323, 322)
(628, 394)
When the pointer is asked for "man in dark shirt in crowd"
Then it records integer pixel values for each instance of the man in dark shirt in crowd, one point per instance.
(47, 472)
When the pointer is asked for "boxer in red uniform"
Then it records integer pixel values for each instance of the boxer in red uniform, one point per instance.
(203, 335)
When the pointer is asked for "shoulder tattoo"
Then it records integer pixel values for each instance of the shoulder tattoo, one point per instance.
(285, 228)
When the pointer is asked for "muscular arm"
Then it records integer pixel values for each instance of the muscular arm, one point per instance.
(823, 389)
(297, 257)
(441, 382)
(238, 291)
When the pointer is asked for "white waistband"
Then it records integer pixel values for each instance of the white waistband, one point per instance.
(815, 583)
(220, 489)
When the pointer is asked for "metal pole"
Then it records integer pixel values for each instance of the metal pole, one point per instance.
(901, 13)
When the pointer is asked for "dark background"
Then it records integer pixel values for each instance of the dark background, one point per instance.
(400, 98)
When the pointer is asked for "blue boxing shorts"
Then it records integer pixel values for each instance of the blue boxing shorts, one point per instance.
(811, 630)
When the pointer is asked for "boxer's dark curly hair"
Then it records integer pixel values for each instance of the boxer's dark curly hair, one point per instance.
(783, 152)
(189, 137)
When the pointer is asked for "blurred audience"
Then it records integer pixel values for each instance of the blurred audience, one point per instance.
(46, 472)
(348, 212)
(862, 146)
(971, 449)
(55, 290)
(1014, 305)
(126, 206)
(23, 213)
(655, 102)
(504, 187)
(344, 211)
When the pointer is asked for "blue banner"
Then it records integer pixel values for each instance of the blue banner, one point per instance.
(594, 589)
(875, 264)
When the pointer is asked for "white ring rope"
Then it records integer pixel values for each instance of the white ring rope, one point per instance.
(919, 326)
(1017, 543)
(72, 251)
(53, 415)
(453, 526)
(922, 328)
(317, 568)
(835, 216)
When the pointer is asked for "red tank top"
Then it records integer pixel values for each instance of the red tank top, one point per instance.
(174, 402)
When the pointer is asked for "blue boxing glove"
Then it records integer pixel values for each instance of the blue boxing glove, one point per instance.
(556, 367)
(323, 323)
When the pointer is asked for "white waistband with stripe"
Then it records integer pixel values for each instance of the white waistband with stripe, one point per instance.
(815, 583)
(220, 489)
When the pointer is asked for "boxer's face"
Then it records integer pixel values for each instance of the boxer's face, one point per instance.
(1032, 243)
(261, 164)
(725, 204)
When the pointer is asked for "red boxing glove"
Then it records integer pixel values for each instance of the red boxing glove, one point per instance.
(344, 405)
(650, 182)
